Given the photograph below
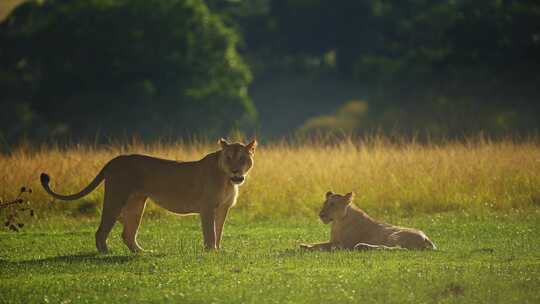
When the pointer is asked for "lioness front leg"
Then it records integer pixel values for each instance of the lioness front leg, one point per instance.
(208, 226)
(221, 215)
(327, 246)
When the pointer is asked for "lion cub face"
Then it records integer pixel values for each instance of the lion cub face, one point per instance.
(236, 160)
(334, 207)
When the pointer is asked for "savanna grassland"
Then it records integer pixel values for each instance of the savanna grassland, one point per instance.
(479, 201)
(290, 180)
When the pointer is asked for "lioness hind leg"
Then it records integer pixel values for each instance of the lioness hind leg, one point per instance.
(365, 246)
(131, 219)
(114, 199)
(408, 239)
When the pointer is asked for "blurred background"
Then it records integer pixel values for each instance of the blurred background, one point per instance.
(102, 70)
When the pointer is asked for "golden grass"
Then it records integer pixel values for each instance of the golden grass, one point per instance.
(291, 180)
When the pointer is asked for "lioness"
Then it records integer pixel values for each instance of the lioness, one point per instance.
(352, 228)
(208, 186)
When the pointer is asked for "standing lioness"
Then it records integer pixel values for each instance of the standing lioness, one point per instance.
(208, 186)
(352, 228)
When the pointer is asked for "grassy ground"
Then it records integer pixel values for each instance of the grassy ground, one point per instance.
(489, 258)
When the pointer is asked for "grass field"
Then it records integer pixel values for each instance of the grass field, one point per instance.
(478, 201)
(490, 258)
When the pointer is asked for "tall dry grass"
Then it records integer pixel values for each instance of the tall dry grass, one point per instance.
(291, 180)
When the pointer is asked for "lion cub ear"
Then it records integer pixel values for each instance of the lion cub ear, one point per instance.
(223, 143)
(329, 193)
(349, 197)
(252, 146)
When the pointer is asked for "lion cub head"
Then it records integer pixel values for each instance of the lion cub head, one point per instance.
(335, 206)
(236, 159)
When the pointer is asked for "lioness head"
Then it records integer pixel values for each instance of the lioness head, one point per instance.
(335, 206)
(236, 159)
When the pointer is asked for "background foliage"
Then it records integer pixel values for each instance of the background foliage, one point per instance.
(440, 67)
(121, 67)
(445, 68)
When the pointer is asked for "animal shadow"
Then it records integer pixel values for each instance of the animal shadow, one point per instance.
(78, 258)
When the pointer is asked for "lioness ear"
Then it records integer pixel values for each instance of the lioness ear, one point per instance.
(329, 193)
(252, 146)
(223, 143)
(349, 196)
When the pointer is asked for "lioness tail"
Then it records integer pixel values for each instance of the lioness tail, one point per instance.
(44, 178)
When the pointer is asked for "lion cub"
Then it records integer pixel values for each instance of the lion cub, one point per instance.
(352, 228)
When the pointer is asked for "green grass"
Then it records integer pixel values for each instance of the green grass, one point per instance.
(483, 257)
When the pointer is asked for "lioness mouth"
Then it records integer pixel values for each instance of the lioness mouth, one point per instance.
(237, 179)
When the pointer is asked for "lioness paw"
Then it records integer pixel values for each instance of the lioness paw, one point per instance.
(306, 246)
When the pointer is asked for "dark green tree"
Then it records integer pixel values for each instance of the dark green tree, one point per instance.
(453, 66)
(123, 67)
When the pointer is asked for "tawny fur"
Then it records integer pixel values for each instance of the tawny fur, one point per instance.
(208, 186)
(352, 228)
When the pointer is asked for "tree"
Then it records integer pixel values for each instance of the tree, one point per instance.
(475, 64)
(123, 67)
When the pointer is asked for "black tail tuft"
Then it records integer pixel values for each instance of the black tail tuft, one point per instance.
(44, 178)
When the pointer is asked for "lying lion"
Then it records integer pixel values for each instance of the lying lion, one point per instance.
(208, 186)
(352, 228)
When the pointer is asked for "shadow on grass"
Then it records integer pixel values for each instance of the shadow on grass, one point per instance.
(299, 252)
(83, 257)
